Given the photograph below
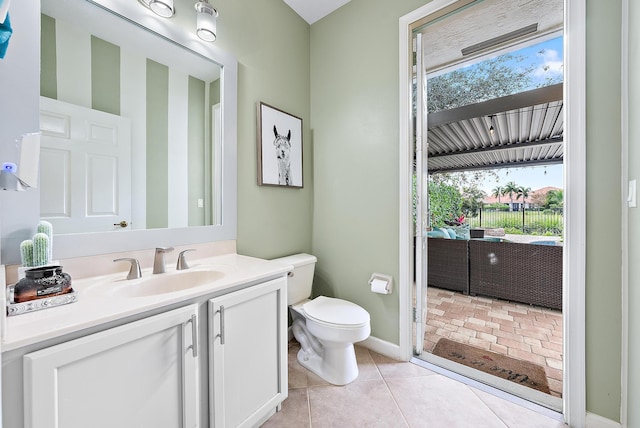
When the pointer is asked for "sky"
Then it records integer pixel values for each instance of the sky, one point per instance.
(547, 58)
(531, 176)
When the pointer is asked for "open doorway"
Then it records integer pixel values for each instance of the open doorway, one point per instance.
(489, 106)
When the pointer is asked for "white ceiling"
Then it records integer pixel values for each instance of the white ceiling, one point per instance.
(314, 10)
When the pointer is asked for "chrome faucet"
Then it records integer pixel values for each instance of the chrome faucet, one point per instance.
(158, 260)
(182, 260)
(134, 270)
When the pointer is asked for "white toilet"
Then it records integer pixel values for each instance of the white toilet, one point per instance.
(325, 327)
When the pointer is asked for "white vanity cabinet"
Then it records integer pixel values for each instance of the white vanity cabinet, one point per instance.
(248, 354)
(140, 374)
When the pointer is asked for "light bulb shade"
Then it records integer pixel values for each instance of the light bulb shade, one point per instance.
(206, 21)
(163, 8)
(491, 128)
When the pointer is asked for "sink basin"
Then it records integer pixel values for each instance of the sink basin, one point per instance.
(171, 282)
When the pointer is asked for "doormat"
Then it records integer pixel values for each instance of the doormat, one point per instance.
(521, 372)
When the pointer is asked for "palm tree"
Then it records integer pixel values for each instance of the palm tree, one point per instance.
(497, 192)
(509, 189)
(524, 193)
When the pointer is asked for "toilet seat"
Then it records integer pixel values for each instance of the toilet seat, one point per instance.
(337, 313)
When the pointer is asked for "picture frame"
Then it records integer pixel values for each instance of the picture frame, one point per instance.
(279, 148)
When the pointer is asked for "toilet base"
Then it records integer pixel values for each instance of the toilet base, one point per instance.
(337, 364)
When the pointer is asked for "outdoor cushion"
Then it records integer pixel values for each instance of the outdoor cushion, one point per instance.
(436, 234)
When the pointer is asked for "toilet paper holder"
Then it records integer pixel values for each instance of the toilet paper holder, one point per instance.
(381, 283)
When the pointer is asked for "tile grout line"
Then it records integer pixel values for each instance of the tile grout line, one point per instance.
(384, 380)
(487, 406)
(472, 383)
(309, 403)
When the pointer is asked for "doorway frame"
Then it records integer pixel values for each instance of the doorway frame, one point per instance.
(574, 262)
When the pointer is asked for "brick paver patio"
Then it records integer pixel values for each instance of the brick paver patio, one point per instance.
(521, 331)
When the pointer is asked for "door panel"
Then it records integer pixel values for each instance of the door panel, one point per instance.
(85, 176)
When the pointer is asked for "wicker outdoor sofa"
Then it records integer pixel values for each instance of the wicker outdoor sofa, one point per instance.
(448, 264)
(526, 273)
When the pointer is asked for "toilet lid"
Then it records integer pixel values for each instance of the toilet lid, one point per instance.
(336, 311)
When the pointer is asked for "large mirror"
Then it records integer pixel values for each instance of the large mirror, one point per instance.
(138, 120)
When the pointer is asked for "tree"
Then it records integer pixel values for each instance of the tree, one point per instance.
(524, 193)
(471, 201)
(445, 203)
(462, 179)
(510, 189)
(497, 77)
(554, 199)
(497, 192)
(467, 187)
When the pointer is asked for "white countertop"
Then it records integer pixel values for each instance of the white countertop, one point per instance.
(108, 298)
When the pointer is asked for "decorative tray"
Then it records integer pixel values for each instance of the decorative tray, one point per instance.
(38, 304)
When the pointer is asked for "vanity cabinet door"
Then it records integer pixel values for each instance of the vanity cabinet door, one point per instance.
(142, 374)
(248, 354)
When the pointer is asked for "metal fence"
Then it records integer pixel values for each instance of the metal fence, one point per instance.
(535, 222)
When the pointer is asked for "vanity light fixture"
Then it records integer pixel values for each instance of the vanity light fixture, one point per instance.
(163, 8)
(206, 21)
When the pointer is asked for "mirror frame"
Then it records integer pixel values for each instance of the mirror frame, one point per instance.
(85, 244)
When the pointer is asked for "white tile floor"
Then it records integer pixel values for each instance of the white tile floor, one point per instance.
(394, 394)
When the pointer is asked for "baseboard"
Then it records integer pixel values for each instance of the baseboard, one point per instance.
(596, 421)
(382, 347)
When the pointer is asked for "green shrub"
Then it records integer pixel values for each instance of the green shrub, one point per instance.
(445, 203)
(496, 207)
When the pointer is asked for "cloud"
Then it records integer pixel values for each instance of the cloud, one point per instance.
(551, 66)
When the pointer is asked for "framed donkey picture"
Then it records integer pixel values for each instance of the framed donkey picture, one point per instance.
(279, 148)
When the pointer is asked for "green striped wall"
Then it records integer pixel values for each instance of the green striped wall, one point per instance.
(105, 93)
(198, 155)
(105, 76)
(214, 202)
(48, 74)
(157, 144)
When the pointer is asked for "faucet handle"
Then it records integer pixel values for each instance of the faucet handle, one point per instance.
(182, 260)
(134, 270)
(164, 249)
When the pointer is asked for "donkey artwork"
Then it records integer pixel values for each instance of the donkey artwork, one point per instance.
(283, 155)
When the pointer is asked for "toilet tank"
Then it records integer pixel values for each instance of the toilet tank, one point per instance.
(300, 281)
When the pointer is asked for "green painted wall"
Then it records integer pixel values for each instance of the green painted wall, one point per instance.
(633, 159)
(157, 143)
(271, 44)
(354, 107)
(105, 76)
(48, 76)
(197, 152)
